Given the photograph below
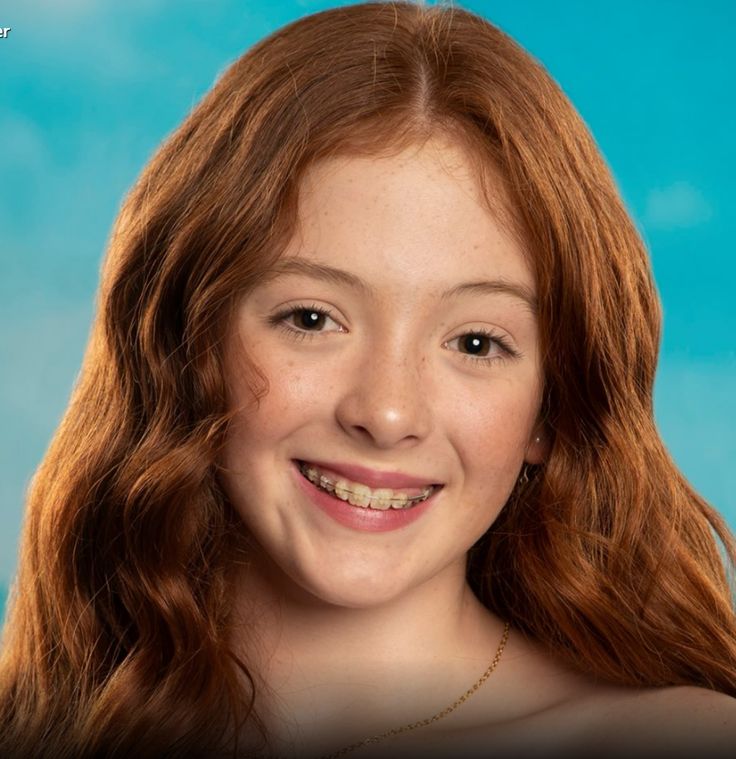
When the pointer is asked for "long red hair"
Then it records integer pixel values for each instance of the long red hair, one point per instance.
(116, 638)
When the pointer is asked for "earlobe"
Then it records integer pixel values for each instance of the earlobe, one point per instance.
(538, 448)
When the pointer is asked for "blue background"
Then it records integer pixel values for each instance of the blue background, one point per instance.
(89, 88)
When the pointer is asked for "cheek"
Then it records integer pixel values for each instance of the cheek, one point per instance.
(490, 433)
(295, 395)
(298, 393)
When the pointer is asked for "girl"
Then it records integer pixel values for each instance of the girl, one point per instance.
(362, 454)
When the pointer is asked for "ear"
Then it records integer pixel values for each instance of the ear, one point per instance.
(537, 450)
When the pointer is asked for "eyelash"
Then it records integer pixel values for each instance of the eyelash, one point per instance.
(279, 320)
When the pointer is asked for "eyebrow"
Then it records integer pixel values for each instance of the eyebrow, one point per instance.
(342, 277)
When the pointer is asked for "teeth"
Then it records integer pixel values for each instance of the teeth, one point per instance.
(400, 501)
(341, 490)
(361, 495)
(382, 498)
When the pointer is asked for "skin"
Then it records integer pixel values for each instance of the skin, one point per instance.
(352, 633)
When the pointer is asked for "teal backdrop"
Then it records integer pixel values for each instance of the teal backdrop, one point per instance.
(89, 88)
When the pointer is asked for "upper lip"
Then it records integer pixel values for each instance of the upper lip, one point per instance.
(373, 478)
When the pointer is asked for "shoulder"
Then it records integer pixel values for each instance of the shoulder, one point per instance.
(620, 710)
(549, 709)
(679, 721)
(538, 706)
(670, 704)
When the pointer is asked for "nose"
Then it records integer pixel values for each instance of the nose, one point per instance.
(386, 400)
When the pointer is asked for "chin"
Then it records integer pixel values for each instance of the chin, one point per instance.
(352, 592)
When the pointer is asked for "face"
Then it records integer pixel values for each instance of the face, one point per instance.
(399, 337)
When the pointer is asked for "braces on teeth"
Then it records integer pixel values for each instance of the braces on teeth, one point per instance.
(327, 484)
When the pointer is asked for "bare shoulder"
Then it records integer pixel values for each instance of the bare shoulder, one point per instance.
(543, 708)
(539, 707)
(674, 706)
(679, 721)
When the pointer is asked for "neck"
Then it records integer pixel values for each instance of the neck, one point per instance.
(402, 659)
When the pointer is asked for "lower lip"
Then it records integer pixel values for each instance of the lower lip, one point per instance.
(357, 517)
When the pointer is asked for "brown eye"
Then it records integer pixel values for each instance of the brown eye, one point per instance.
(482, 347)
(308, 318)
(475, 344)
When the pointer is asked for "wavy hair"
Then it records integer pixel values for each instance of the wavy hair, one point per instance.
(116, 638)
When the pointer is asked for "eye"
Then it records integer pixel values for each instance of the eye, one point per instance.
(483, 345)
(302, 320)
(476, 344)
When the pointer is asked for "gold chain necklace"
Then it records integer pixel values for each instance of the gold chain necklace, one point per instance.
(438, 716)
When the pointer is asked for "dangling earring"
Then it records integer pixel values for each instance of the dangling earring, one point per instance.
(524, 476)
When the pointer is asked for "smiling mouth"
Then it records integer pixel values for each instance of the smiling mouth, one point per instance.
(358, 494)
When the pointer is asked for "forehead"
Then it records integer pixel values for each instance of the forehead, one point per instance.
(418, 216)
